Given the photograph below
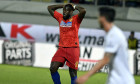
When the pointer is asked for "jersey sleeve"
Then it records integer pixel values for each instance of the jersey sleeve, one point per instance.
(57, 16)
(112, 45)
(79, 20)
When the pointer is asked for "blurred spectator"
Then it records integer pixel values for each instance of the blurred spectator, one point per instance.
(59, 1)
(118, 2)
(132, 41)
(74, 1)
(89, 1)
(131, 3)
(103, 2)
(82, 1)
(110, 2)
(138, 3)
(86, 1)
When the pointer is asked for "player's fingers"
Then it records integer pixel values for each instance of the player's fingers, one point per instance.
(72, 5)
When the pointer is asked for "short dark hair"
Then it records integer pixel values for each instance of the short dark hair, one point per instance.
(69, 5)
(132, 32)
(108, 13)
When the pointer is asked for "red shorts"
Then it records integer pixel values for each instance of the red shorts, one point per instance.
(69, 55)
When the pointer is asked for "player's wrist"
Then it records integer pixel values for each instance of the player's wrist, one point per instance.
(74, 6)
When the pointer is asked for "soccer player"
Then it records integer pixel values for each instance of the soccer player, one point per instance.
(68, 51)
(116, 52)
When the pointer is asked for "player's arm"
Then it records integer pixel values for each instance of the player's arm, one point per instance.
(52, 8)
(96, 68)
(82, 11)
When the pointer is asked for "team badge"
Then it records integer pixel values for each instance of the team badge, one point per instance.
(76, 64)
(71, 19)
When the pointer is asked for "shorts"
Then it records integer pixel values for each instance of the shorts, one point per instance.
(70, 55)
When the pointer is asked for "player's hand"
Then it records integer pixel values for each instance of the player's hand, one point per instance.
(82, 79)
(73, 5)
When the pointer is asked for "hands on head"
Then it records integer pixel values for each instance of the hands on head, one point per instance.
(71, 5)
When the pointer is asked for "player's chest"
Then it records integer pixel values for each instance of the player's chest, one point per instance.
(66, 23)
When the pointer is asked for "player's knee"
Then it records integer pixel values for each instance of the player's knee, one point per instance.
(53, 69)
(73, 72)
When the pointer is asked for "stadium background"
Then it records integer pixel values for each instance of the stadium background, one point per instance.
(37, 53)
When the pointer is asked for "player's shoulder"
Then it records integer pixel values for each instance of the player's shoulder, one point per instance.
(115, 33)
(74, 18)
(57, 13)
(77, 18)
(119, 33)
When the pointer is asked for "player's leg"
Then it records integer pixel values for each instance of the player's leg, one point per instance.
(73, 75)
(58, 60)
(72, 62)
(53, 69)
(54, 66)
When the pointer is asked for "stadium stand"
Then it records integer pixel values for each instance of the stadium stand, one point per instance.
(36, 13)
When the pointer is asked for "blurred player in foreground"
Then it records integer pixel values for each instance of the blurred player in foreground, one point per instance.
(116, 52)
(68, 51)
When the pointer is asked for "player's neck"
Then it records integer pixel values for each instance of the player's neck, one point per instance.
(108, 26)
(66, 18)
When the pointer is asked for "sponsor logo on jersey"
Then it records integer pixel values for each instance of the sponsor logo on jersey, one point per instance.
(68, 24)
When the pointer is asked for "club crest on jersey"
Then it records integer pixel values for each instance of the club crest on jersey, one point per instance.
(76, 64)
(63, 24)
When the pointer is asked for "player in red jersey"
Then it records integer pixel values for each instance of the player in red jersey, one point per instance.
(68, 51)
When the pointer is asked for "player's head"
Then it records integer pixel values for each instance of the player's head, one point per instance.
(106, 15)
(132, 34)
(67, 11)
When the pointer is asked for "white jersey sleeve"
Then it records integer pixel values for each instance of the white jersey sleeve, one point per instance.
(112, 44)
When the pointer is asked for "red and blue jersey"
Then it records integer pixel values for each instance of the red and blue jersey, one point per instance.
(68, 30)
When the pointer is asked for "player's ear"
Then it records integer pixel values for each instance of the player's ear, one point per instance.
(103, 19)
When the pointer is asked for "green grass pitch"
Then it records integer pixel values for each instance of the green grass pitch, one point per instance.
(10, 74)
